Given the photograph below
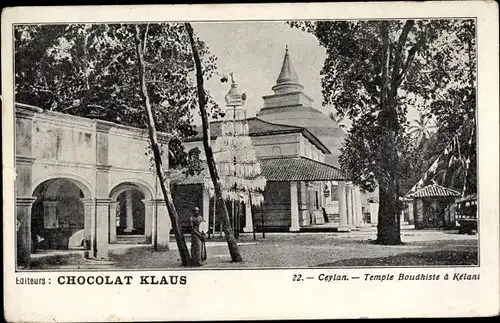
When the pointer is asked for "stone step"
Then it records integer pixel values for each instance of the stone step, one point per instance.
(131, 239)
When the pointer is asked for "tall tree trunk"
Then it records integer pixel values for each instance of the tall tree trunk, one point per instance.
(226, 226)
(388, 226)
(172, 212)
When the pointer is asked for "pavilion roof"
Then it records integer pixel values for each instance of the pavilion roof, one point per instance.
(434, 190)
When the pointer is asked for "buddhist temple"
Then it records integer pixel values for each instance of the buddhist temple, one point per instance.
(298, 148)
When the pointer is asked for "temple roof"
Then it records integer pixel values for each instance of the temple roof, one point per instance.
(284, 169)
(258, 127)
(299, 169)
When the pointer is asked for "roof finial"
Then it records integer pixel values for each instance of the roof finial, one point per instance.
(232, 77)
(287, 81)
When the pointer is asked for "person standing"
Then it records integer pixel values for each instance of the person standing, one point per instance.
(198, 249)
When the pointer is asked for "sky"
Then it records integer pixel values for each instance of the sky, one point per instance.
(254, 52)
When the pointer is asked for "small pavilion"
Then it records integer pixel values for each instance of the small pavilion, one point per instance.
(429, 204)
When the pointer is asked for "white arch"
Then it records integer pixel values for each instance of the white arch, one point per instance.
(131, 184)
(78, 181)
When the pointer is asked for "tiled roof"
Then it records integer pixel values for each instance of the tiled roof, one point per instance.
(275, 170)
(299, 169)
(258, 127)
(434, 190)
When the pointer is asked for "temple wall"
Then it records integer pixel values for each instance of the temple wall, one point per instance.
(282, 145)
(275, 211)
(69, 146)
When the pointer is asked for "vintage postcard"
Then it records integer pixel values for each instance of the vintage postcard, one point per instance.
(250, 161)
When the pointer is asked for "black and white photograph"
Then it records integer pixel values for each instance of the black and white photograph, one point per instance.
(352, 144)
(247, 145)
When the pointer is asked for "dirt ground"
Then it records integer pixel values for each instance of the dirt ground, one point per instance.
(290, 250)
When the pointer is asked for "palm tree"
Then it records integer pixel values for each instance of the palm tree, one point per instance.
(421, 130)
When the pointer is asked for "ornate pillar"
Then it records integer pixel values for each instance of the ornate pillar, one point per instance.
(102, 202)
(359, 209)
(343, 225)
(303, 209)
(248, 218)
(23, 227)
(350, 209)
(113, 209)
(102, 228)
(129, 214)
(419, 213)
(206, 205)
(410, 212)
(154, 227)
(294, 205)
(89, 226)
(24, 191)
(163, 226)
(373, 213)
(149, 210)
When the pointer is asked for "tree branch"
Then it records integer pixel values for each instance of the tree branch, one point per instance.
(411, 55)
(172, 213)
(399, 53)
(228, 231)
(145, 39)
(115, 58)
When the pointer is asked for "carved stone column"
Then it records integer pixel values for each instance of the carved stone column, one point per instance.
(24, 165)
(350, 205)
(149, 210)
(23, 227)
(129, 214)
(303, 206)
(359, 208)
(163, 226)
(343, 225)
(102, 228)
(89, 226)
(294, 207)
(411, 214)
(248, 218)
(113, 206)
(206, 205)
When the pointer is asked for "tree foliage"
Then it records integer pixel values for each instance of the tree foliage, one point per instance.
(373, 72)
(90, 70)
(421, 130)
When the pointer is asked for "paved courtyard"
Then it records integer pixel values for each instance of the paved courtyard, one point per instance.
(281, 250)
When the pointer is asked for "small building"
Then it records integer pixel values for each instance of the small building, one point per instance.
(429, 204)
